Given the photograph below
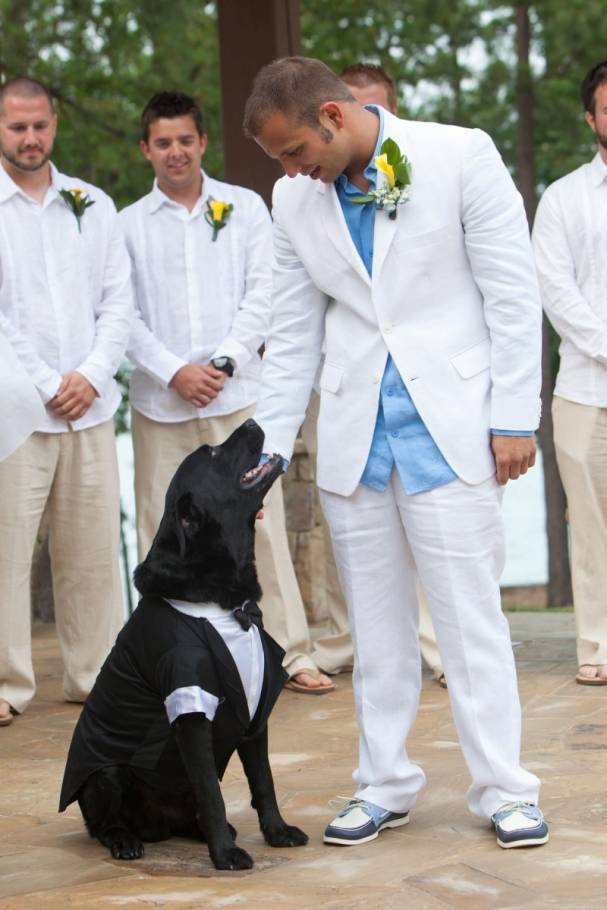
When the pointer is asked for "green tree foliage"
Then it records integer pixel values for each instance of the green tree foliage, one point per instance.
(102, 60)
(456, 63)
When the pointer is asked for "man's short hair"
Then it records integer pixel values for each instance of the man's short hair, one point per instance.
(591, 81)
(24, 87)
(363, 74)
(294, 86)
(170, 105)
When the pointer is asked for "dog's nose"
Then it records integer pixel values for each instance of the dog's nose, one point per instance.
(250, 424)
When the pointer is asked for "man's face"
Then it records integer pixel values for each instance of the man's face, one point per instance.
(374, 93)
(322, 152)
(27, 131)
(598, 120)
(174, 150)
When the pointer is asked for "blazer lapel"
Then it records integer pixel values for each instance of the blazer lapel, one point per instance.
(385, 227)
(273, 682)
(334, 223)
(227, 674)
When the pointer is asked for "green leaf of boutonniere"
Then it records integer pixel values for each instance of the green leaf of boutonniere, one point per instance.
(390, 149)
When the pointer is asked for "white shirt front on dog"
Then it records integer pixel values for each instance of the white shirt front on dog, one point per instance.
(243, 644)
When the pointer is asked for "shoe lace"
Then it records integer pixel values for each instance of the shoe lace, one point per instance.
(529, 810)
(345, 804)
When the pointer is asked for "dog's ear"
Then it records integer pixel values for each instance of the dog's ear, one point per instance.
(188, 521)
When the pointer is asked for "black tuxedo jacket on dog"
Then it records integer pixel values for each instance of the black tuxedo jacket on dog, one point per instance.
(124, 720)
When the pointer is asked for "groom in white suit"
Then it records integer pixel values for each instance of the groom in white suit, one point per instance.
(430, 325)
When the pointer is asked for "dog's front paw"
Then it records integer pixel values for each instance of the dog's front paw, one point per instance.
(126, 846)
(285, 836)
(233, 859)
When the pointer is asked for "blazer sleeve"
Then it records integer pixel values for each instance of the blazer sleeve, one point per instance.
(499, 250)
(293, 348)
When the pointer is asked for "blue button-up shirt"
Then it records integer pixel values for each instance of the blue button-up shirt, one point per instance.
(400, 438)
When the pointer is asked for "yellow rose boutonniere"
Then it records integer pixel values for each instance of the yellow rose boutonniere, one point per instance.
(217, 214)
(78, 200)
(396, 168)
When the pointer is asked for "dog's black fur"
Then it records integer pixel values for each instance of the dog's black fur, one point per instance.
(203, 552)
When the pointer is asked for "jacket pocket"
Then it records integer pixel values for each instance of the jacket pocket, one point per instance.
(473, 360)
(330, 378)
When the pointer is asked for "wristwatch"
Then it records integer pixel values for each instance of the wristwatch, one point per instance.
(225, 364)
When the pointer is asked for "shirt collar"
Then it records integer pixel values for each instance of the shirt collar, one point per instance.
(8, 187)
(158, 199)
(370, 172)
(598, 170)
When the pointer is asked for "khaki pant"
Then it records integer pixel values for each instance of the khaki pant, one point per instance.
(580, 439)
(159, 449)
(334, 652)
(75, 477)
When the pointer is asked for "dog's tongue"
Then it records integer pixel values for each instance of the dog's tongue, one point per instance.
(255, 475)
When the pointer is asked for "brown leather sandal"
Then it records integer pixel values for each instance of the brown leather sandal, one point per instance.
(595, 680)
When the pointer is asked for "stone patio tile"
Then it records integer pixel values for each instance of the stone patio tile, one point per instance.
(445, 858)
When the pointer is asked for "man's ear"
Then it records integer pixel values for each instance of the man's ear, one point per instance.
(145, 149)
(331, 111)
(188, 521)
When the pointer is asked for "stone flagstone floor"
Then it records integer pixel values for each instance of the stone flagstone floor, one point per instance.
(444, 859)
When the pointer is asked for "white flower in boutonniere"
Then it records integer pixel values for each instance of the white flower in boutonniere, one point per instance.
(78, 201)
(217, 214)
(395, 191)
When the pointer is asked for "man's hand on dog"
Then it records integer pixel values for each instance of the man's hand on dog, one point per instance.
(198, 383)
(74, 397)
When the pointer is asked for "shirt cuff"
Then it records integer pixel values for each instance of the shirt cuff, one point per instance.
(236, 351)
(512, 432)
(49, 387)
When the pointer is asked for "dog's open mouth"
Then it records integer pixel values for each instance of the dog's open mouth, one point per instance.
(254, 476)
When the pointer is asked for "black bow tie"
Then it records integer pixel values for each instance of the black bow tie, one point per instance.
(248, 614)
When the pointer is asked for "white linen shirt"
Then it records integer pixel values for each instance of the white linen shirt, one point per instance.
(196, 298)
(65, 295)
(570, 245)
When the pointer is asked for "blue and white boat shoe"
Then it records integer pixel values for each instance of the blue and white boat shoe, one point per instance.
(520, 825)
(360, 821)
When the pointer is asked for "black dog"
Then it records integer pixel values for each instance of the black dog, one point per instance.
(146, 760)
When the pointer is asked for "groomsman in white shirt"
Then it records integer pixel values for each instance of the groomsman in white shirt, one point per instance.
(201, 254)
(570, 242)
(65, 309)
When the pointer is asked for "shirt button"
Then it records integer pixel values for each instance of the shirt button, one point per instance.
(395, 434)
(388, 328)
(376, 378)
(390, 392)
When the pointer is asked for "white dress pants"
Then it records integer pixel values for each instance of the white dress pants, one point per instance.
(451, 537)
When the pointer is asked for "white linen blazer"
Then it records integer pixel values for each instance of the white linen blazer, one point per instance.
(453, 297)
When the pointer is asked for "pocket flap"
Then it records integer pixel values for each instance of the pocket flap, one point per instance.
(330, 378)
(473, 360)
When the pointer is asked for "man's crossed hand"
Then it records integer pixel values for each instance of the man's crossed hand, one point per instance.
(74, 397)
(514, 455)
(198, 383)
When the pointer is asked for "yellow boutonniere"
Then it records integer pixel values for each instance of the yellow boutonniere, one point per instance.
(78, 201)
(217, 214)
(397, 169)
(381, 163)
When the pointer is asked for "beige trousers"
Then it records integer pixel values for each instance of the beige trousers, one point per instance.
(159, 449)
(334, 652)
(75, 477)
(580, 439)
